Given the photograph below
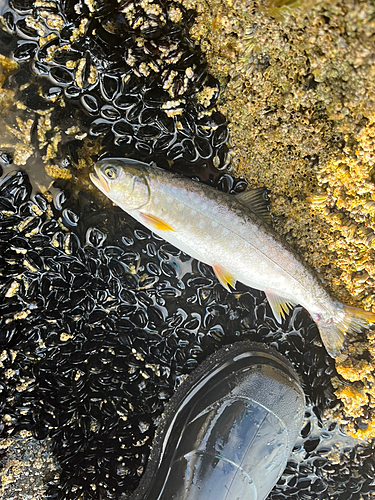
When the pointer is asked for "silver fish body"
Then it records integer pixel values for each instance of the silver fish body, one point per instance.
(225, 231)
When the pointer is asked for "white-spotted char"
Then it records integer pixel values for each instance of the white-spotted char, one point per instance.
(232, 234)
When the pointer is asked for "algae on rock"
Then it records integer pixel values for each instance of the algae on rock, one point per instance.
(298, 90)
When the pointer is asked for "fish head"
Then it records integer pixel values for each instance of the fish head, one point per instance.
(124, 181)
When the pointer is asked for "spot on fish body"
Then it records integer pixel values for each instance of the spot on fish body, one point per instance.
(201, 224)
(157, 199)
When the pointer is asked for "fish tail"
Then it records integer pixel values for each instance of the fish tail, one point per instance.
(349, 320)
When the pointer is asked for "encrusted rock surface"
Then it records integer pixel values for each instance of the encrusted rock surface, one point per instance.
(298, 91)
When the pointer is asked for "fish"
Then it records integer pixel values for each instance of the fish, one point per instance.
(231, 233)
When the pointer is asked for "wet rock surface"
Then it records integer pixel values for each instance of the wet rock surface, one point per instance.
(27, 467)
(101, 320)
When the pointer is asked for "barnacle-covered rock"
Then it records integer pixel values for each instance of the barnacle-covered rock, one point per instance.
(298, 92)
(26, 457)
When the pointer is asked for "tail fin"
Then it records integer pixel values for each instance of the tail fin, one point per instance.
(349, 320)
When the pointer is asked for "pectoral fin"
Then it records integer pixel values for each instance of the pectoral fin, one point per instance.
(225, 277)
(155, 222)
(280, 306)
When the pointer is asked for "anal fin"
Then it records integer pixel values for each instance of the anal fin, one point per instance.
(280, 306)
(225, 277)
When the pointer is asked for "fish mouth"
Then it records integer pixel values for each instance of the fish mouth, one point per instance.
(99, 180)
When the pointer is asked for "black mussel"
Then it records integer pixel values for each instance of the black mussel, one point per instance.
(44, 51)
(25, 51)
(21, 195)
(240, 185)
(148, 132)
(117, 268)
(125, 101)
(81, 281)
(59, 199)
(203, 147)
(100, 127)
(65, 57)
(7, 206)
(26, 32)
(69, 217)
(226, 183)
(220, 136)
(147, 116)
(90, 103)
(110, 113)
(40, 201)
(164, 142)
(109, 86)
(223, 157)
(175, 152)
(95, 237)
(155, 97)
(133, 114)
(190, 153)
(187, 122)
(113, 252)
(96, 316)
(40, 69)
(104, 8)
(61, 76)
(5, 159)
(72, 92)
(122, 128)
(22, 6)
(140, 318)
(71, 151)
(34, 261)
(9, 22)
(167, 124)
(143, 148)
(126, 142)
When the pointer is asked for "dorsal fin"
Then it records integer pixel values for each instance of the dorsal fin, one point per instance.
(255, 200)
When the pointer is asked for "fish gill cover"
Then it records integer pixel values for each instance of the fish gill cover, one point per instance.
(100, 320)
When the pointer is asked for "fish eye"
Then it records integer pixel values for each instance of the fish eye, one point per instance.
(111, 172)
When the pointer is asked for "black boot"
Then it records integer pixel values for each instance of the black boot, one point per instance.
(229, 430)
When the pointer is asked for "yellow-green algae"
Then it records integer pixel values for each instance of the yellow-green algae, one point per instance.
(298, 88)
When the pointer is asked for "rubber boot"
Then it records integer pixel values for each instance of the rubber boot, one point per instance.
(229, 429)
